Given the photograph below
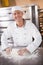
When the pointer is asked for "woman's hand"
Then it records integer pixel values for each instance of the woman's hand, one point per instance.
(22, 51)
(8, 50)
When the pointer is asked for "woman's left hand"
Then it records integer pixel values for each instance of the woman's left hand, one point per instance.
(22, 51)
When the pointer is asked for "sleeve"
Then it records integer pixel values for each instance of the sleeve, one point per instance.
(37, 39)
(4, 38)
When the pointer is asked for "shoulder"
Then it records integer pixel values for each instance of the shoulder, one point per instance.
(30, 25)
(11, 24)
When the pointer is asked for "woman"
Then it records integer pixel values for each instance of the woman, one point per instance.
(24, 33)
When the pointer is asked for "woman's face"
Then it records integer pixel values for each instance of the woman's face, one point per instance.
(17, 15)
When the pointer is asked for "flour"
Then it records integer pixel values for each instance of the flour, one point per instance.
(14, 55)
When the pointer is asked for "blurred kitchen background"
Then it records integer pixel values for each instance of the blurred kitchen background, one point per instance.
(33, 11)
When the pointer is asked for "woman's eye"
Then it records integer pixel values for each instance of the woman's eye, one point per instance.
(14, 13)
(18, 13)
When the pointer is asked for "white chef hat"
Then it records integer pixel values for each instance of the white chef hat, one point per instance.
(16, 8)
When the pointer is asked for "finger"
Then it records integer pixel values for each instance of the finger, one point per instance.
(8, 51)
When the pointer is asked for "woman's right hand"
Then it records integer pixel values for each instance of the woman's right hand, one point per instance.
(8, 50)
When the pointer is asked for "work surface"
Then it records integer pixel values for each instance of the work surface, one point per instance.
(34, 59)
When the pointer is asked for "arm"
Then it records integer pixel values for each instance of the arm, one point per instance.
(4, 38)
(37, 39)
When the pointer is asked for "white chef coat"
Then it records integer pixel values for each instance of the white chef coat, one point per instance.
(22, 36)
